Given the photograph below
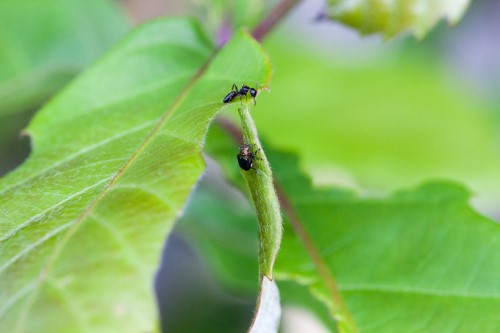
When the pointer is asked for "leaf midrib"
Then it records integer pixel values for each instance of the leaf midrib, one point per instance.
(36, 217)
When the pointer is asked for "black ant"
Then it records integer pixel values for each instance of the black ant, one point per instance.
(232, 94)
(247, 157)
(244, 91)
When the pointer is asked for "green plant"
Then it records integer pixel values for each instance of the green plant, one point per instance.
(117, 154)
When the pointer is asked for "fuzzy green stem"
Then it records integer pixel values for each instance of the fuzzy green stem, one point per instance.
(260, 182)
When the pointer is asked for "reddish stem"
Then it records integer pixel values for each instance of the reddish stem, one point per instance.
(272, 18)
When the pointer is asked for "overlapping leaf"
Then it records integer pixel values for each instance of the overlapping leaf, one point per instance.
(115, 158)
(422, 251)
(421, 259)
(222, 227)
(394, 16)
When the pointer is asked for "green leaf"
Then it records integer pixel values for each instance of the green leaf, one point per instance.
(216, 216)
(233, 14)
(43, 44)
(115, 157)
(421, 250)
(393, 17)
(389, 122)
(296, 295)
(248, 13)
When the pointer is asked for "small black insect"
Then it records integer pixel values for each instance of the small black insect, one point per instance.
(232, 94)
(244, 91)
(246, 157)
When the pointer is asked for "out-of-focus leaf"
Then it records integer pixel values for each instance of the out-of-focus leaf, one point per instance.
(43, 44)
(296, 295)
(215, 218)
(395, 16)
(185, 286)
(385, 123)
(248, 13)
(220, 224)
(115, 158)
(226, 16)
(422, 250)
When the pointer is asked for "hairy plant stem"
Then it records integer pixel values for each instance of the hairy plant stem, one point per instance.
(337, 306)
(259, 180)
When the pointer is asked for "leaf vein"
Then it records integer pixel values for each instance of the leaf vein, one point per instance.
(34, 245)
(128, 250)
(51, 208)
(12, 300)
(78, 153)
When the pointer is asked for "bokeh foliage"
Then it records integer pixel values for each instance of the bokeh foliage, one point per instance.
(44, 44)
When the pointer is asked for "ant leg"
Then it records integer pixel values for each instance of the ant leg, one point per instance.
(235, 87)
(254, 102)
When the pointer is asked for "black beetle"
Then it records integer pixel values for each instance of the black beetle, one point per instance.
(246, 157)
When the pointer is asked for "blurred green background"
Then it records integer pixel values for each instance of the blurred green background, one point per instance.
(380, 115)
(361, 112)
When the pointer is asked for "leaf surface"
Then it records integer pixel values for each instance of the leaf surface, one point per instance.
(395, 16)
(222, 227)
(421, 251)
(115, 157)
(419, 260)
(227, 16)
(43, 44)
(381, 124)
